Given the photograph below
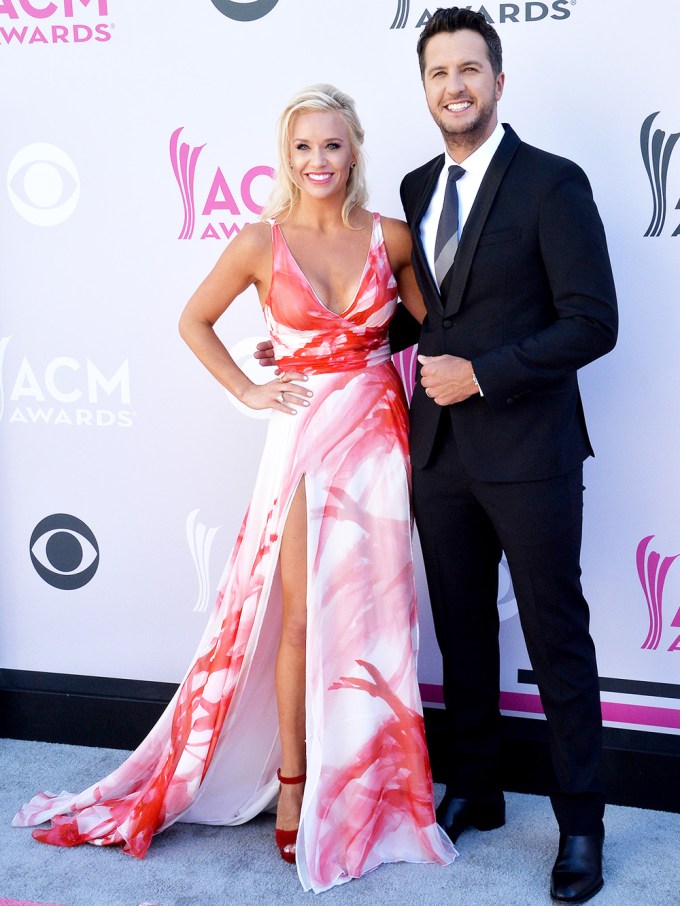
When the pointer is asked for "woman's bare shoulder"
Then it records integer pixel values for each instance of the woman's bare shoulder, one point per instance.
(397, 236)
(399, 228)
(252, 248)
(256, 236)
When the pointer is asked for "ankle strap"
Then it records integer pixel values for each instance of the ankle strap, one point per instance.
(300, 779)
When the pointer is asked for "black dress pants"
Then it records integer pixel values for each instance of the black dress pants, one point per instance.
(464, 526)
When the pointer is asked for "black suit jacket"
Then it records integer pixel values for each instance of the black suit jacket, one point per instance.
(529, 300)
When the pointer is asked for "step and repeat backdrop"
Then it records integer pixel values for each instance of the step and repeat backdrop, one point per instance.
(137, 140)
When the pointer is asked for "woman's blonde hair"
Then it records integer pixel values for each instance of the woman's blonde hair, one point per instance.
(286, 193)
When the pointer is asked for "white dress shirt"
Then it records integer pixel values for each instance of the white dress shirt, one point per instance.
(475, 167)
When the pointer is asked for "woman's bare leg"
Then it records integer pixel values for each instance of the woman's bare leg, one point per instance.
(290, 661)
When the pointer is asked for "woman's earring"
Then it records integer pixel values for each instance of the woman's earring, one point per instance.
(354, 163)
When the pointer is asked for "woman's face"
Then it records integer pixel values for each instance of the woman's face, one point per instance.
(321, 154)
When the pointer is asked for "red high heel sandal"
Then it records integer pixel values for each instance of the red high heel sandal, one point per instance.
(287, 837)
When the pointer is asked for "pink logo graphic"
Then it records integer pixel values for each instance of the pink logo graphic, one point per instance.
(65, 8)
(653, 570)
(405, 362)
(66, 32)
(184, 159)
(220, 201)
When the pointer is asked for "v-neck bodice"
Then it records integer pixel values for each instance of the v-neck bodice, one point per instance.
(308, 336)
(357, 284)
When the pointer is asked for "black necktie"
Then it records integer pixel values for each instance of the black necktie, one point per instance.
(447, 232)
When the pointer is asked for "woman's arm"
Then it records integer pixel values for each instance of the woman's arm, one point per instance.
(398, 244)
(245, 262)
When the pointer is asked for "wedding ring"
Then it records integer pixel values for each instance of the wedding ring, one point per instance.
(427, 391)
(284, 378)
(280, 398)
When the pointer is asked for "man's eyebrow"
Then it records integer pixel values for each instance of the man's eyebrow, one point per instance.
(459, 65)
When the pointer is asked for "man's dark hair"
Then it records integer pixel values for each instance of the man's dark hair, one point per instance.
(454, 19)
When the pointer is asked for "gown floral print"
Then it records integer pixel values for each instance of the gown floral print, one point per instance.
(212, 756)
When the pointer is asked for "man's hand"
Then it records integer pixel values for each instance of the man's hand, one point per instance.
(264, 353)
(447, 379)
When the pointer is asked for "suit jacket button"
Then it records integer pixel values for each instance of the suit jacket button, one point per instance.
(448, 322)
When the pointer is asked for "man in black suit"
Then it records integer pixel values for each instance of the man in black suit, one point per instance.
(519, 295)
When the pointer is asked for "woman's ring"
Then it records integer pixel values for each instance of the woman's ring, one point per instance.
(280, 398)
(283, 378)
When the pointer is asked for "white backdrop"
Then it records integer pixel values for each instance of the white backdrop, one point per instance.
(137, 138)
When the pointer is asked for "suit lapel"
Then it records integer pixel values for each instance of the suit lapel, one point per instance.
(456, 279)
(424, 199)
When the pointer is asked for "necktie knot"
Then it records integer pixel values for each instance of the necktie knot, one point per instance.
(455, 173)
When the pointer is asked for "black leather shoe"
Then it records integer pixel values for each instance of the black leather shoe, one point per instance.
(455, 815)
(577, 873)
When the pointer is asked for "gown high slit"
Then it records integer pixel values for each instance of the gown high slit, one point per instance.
(213, 755)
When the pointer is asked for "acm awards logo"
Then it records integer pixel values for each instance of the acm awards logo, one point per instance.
(653, 571)
(22, 17)
(657, 148)
(64, 551)
(63, 391)
(226, 202)
(244, 11)
(494, 13)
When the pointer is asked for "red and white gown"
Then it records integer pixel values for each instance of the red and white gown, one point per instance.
(212, 756)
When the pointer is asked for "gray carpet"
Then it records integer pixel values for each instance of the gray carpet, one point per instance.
(194, 865)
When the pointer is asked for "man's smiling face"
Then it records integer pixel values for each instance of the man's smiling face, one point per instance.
(461, 89)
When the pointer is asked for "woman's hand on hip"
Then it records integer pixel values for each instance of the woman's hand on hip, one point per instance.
(283, 394)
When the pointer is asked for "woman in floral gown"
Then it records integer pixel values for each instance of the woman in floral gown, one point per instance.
(306, 671)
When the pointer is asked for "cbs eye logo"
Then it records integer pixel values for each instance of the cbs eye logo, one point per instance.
(64, 551)
(244, 11)
(43, 184)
